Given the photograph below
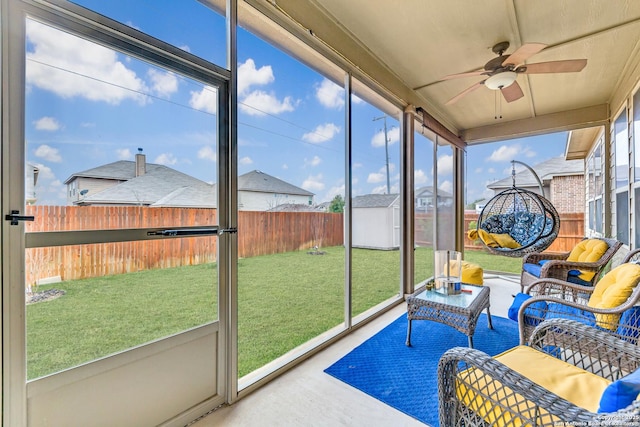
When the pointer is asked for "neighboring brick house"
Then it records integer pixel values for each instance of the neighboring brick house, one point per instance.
(562, 180)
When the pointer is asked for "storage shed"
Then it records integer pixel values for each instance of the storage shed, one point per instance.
(376, 221)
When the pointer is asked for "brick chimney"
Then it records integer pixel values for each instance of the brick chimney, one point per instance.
(141, 164)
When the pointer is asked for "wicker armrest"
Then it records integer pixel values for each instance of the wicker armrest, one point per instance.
(536, 257)
(590, 348)
(526, 398)
(557, 287)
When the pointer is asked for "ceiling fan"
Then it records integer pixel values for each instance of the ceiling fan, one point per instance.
(503, 70)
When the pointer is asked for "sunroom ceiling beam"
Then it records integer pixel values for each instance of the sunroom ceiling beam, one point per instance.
(555, 122)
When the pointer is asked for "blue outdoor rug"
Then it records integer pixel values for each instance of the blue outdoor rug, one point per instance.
(406, 377)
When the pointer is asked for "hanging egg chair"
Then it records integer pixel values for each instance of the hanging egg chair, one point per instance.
(517, 221)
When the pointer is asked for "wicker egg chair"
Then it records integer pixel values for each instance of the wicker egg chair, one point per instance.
(517, 221)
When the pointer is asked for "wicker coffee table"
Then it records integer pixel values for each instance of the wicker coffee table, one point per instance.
(460, 311)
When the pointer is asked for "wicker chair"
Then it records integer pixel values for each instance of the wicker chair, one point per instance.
(558, 267)
(477, 390)
(551, 298)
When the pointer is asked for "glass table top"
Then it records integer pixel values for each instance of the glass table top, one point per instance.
(463, 299)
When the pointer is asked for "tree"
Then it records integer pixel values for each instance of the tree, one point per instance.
(337, 204)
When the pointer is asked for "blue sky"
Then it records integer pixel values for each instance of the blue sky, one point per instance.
(88, 105)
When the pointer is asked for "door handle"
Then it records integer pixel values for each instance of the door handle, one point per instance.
(15, 216)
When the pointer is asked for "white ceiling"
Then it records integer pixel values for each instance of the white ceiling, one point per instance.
(410, 45)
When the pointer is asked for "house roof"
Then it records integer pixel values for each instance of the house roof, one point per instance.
(374, 200)
(296, 207)
(261, 182)
(428, 191)
(121, 170)
(546, 170)
(159, 186)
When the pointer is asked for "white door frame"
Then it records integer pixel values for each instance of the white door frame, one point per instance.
(145, 369)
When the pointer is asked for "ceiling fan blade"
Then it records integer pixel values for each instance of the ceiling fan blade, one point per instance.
(523, 53)
(512, 92)
(465, 92)
(459, 75)
(567, 66)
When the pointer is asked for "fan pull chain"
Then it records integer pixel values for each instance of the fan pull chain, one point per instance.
(497, 104)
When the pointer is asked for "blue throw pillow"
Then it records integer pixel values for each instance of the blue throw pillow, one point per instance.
(621, 393)
(575, 279)
(533, 314)
(533, 269)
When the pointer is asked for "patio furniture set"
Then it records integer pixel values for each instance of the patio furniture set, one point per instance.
(578, 362)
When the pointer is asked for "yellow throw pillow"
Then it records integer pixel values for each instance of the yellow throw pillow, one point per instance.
(588, 250)
(612, 290)
(472, 274)
(494, 240)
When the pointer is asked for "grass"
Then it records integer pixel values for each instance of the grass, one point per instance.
(283, 301)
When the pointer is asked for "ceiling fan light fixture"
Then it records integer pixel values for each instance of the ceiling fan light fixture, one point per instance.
(501, 80)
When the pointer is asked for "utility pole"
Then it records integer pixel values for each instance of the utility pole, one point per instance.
(386, 149)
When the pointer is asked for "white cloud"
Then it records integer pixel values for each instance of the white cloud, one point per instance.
(185, 47)
(491, 170)
(330, 94)
(249, 75)
(207, 153)
(509, 152)
(393, 136)
(205, 100)
(47, 123)
(315, 161)
(419, 177)
(478, 170)
(45, 172)
(322, 133)
(163, 84)
(245, 161)
(48, 153)
(70, 66)
(357, 165)
(445, 164)
(166, 159)
(383, 189)
(446, 186)
(313, 183)
(124, 154)
(376, 177)
(285, 166)
(259, 103)
(333, 192)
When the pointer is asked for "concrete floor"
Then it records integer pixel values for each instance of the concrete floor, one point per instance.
(306, 396)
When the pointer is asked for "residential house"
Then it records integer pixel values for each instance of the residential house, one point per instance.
(424, 198)
(138, 183)
(258, 191)
(562, 181)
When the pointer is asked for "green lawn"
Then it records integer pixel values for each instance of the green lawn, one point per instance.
(284, 300)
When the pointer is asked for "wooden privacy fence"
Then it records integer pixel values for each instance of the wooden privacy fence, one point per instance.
(259, 233)
(571, 232)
